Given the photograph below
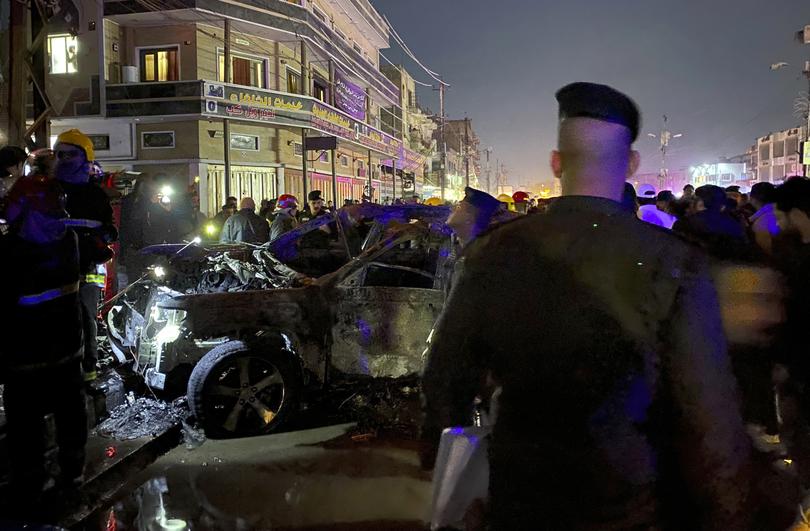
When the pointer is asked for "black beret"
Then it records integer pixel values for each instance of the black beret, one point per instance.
(481, 200)
(314, 195)
(600, 102)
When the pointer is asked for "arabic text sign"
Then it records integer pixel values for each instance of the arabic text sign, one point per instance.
(335, 122)
(349, 97)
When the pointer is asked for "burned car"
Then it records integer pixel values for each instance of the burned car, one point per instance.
(247, 335)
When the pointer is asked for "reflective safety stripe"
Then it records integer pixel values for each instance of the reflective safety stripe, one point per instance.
(82, 223)
(51, 294)
(95, 278)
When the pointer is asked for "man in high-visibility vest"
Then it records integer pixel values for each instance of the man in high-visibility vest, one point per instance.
(87, 204)
(41, 353)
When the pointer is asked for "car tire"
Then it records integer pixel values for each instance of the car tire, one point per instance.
(242, 390)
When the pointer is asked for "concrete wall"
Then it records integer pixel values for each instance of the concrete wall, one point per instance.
(185, 136)
(134, 38)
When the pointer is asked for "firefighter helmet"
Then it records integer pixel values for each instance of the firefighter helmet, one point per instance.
(287, 201)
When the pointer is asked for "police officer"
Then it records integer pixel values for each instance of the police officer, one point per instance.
(618, 406)
(473, 214)
(41, 352)
(86, 202)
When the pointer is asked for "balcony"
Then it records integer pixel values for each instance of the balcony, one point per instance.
(211, 100)
(280, 14)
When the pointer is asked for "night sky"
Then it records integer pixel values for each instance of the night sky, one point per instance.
(704, 63)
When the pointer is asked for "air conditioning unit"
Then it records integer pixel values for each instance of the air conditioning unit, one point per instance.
(129, 74)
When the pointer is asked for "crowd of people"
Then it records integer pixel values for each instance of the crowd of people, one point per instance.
(622, 399)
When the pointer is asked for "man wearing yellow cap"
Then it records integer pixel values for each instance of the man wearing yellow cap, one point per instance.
(87, 204)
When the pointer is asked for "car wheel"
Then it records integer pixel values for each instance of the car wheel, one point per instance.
(237, 390)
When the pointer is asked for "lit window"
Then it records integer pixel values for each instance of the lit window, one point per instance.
(246, 71)
(319, 90)
(159, 64)
(62, 50)
(293, 81)
(324, 156)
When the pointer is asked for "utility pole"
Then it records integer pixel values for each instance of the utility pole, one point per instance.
(442, 143)
(28, 64)
(664, 138)
(226, 123)
(466, 152)
(489, 170)
(803, 36)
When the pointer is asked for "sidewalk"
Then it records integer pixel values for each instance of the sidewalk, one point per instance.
(110, 464)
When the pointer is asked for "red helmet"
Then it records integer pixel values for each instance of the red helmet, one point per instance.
(36, 193)
(287, 201)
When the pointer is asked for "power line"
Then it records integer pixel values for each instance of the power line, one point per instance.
(408, 51)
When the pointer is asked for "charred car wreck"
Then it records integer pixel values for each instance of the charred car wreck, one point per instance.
(247, 332)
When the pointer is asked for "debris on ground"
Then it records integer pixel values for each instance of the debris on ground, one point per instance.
(390, 405)
(192, 437)
(143, 417)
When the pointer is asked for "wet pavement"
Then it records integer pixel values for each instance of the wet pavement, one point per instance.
(325, 478)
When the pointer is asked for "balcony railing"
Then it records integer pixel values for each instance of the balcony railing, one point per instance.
(281, 14)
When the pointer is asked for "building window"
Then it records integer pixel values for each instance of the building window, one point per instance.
(340, 34)
(241, 142)
(319, 90)
(245, 70)
(358, 49)
(293, 81)
(62, 51)
(100, 142)
(157, 140)
(324, 156)
(344, 161)
(159, 64)
(298, 149)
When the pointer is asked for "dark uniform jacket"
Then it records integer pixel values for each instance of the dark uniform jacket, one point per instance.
(719, 233)
(40, 302)
(283, 222)
(245, 226)
(90, 202)
(606, 337)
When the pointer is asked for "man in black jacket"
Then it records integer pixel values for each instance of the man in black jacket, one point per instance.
(89, 205)
(618, 407)
(712, 227)
(41, 355)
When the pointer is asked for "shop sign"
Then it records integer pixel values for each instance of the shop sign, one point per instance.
(243, 103)
(349, 97)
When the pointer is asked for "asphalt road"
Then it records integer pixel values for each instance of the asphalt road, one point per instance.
(315, 479)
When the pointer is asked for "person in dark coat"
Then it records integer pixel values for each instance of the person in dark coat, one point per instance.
(319, 239)
(88, 203)
(792, 201)
(618, 407)
(285, 218)
(473, 214)
(246, 226)
(41, 355)
(711, 227)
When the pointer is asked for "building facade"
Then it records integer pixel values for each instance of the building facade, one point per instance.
(148, 80)
(778, 155)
